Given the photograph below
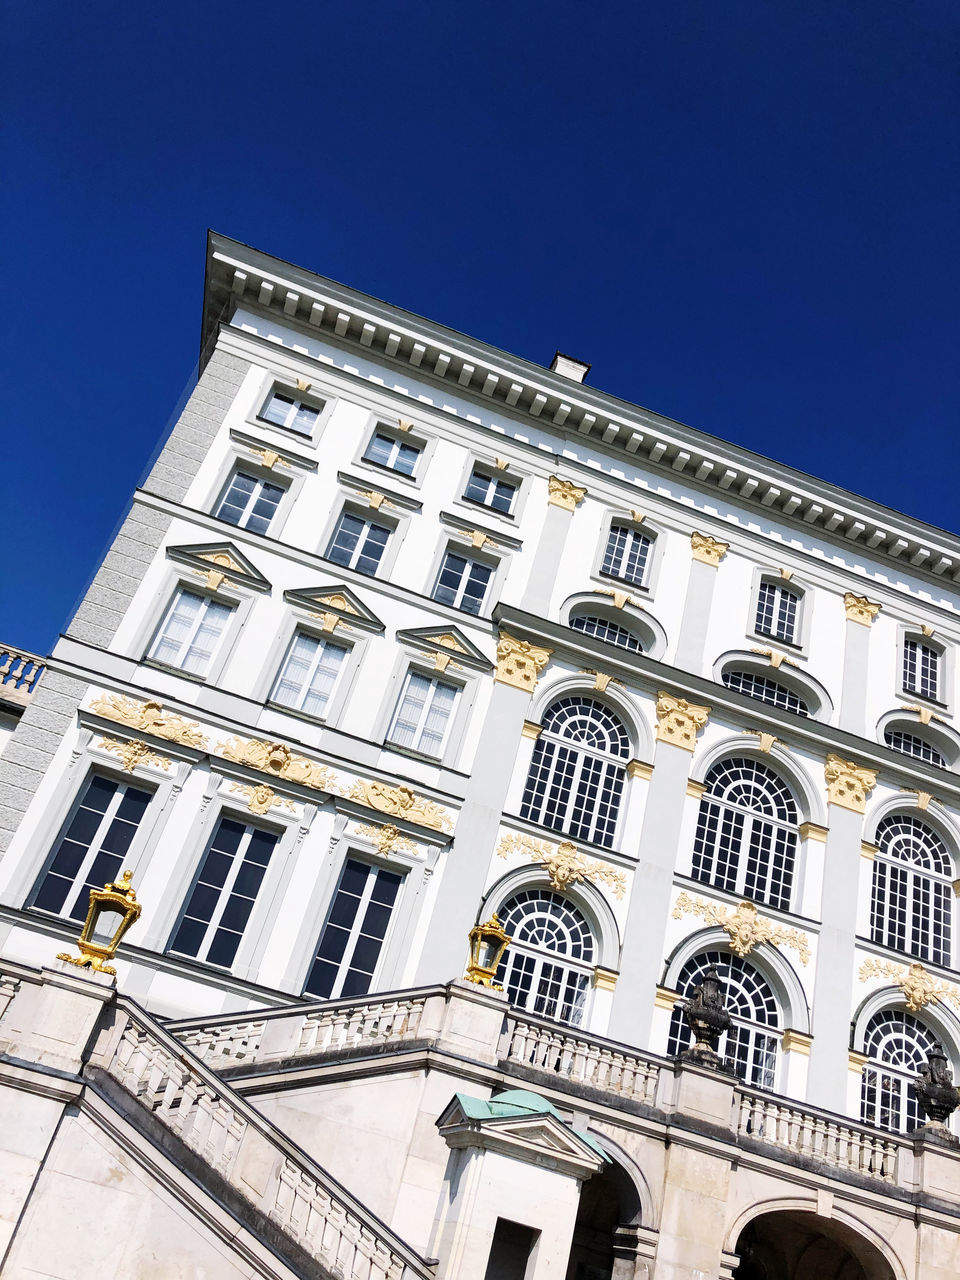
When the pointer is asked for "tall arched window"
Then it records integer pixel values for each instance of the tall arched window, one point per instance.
(747, 834)
(912, 901)
(896, 1043)
(575, 783)
(754, 1037)
(547, 967)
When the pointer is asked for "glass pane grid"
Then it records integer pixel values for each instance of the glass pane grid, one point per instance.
(766, 690)
(626, 553)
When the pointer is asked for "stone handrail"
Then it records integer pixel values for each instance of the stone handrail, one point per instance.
(19, 673)
(12, 976)
(845, 1144)
(306, 1030)
(602, 1064)
(254, 1157)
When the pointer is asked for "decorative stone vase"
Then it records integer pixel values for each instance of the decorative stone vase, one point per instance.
(937, 1095)
(707, 1018)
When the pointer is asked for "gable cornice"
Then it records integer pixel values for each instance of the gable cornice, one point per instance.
(237, 274)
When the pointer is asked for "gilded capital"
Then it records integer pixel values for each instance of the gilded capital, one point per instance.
(848, 785)
(708, 550)
(679, 721)
(860, 609)
(564, 493)
(519, 663)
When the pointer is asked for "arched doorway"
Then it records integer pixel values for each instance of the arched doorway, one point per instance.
(791, 1245)
(604, 1236)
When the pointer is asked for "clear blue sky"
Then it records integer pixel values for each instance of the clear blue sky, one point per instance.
(744, 214)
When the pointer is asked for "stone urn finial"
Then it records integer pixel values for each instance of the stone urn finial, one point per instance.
(937, 1095)
(707, 1018)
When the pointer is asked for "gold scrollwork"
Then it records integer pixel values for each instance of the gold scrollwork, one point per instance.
(400, 802)
(387, 838)
(213, 577)
(564, 863)
(564, 493)
(262, 798)
(918, 986)
(149, 717)
(679, 721)
(745, 927)
(860, 609)
(708, 550)
(848, 784)
(277, 759)
(133, 752)
(519, 663)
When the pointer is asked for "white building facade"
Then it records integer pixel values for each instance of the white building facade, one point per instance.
(401, 632)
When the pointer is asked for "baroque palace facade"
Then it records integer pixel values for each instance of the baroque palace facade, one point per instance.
(402, 632)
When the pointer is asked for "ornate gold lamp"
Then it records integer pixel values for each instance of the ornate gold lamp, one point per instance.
(113, 909)
(488, 942)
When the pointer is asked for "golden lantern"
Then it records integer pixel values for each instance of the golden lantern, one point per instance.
(112, 910)
(488, 942)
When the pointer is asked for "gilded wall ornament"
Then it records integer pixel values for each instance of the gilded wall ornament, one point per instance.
(400, 802)
(149, 717)
(679, 721)
(745, 927)
(213, 577)
(133, 752)
(620, 598)
(918, 986)
(262, 798)
(776, 659)
(708, 550)
(387, 838)
(564, 493)
(277, 759)
(563, 863)
(375, 499)
(860, 609)
(767, 740)
(519, 663)
(848, 785)
(270, 458)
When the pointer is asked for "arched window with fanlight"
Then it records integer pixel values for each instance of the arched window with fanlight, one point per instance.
(752, 1043)
(765, 690)
(610, 632)
(896, 1044)
(911, 906)
(747, 832)
(575, 783)
(911, 744)
(546, 968)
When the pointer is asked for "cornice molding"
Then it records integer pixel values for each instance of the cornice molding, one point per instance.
(354, 320)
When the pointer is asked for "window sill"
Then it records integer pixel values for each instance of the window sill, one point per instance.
(173, 671)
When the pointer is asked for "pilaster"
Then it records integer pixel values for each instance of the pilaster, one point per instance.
(856, 648)
(563, 499)
(701, 583)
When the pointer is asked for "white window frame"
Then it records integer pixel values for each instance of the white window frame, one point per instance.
(322, 642)
(299, 401)
(493, 478)
(781, 591)
(369, 518)
(804, 593)
(936, 650)
(647, 529)
(373, 870)
(397, 439)
(459, 549)
(158, 634)
(435, 680)
(259, 481)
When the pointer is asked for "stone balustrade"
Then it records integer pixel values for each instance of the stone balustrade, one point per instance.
(817, 1134)
(19, 673)
(590, 1061)
(244, 1148)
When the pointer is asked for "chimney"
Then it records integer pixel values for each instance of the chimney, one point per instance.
(575, 370)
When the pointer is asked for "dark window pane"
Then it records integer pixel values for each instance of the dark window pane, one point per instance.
(203, 902)
(216, 867)
(188, 937)
(355, 984)
(223, 948)
(228, 835)
(236, 913)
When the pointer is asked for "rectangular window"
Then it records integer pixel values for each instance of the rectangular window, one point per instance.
(921, 669)
(222, 898)
(287, 411)
(308, 674)
(358, 543)
(394, 454)
(626, 554)
(250, 502)
(777, 609)
(422, 717)
(91, 849)
(191, 632)
(490, 491)
(352, 938)
(462, 582)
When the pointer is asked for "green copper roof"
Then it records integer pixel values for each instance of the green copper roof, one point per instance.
(520, 1102)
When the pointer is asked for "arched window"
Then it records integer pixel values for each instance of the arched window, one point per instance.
(747, 835)
(912, 900)
(896, 1043)
(911, 744)
(604, 629)
(575, 783)
(754, 1037)
(766, 690)
(547, 966)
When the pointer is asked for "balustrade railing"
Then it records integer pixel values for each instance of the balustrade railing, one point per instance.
(237, 1141)
(19, 673)
(838, 1142)
(590, 1061)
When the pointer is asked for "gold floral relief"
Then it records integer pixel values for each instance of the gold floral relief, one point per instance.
(133, 752)
(387, 838)
(745, 927)
(149, 717)
(277, 759)
(918, 986)
(519, 663)
(848, 784)
(708, 550)
(679, 721)
(563, 863)
(401, 802)
(262, 798)
(564, 493)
